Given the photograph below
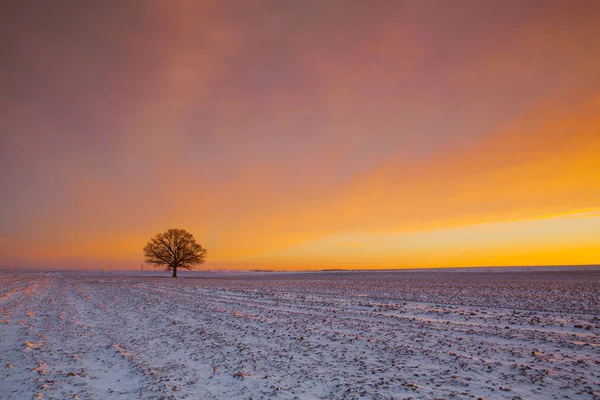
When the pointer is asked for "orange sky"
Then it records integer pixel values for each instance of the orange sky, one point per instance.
(301, 135)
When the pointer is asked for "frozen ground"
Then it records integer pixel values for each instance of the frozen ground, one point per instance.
(508, 334)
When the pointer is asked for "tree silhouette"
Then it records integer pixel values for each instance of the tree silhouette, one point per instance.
(175, 248)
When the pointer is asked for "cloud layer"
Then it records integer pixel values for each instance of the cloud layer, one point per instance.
(263, 127)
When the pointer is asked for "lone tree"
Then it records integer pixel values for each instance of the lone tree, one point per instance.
(175, 248)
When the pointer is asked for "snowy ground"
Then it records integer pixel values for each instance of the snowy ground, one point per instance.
(509, 334)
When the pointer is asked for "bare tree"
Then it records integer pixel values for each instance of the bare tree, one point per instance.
(175, 248)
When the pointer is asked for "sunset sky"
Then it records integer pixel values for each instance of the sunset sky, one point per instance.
(301, 134)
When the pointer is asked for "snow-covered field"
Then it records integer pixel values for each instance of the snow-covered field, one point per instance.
(505, 334)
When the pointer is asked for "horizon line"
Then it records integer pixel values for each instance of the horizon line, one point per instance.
(268, 270)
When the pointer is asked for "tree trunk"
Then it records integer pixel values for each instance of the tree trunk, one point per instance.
(174, 272)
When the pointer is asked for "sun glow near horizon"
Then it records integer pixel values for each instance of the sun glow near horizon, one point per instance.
(570, 239)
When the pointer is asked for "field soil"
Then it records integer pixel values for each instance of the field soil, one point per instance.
(432, 334)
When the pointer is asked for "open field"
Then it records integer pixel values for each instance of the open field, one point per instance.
(504, 334)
